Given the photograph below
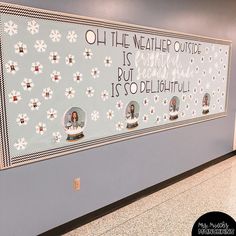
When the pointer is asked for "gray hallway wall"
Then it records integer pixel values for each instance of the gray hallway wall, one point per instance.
(37, 197)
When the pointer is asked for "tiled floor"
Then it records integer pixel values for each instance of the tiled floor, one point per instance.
(173, 210)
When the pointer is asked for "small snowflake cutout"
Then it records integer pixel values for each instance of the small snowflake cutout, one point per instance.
(165, 117)
(88, 53)
(119, 126)
(11, 67)
(47, 93)
(55, 76)
(55, 36)
(20, 144)
(10, 28)
(34, 104)
(119, 105)
(145, 101)
(52, 114)
(152, 110)
(33, 27)
(145, 118)
(14, 97)
(110, 114)
(71, 36)
(104, 95)
(95, 115)
(107, 61)
(40, 46)
(165, 101)
(41, 128)
(194, 112)
(156, 98)
(37, 68)
(22, 119)
(77, 77)
(27, 84)
(20, 48)
(54, 57)
(70, 93)
(95, 73)
(70, 60)
(90, 92)
(56, 137)
(158, 119)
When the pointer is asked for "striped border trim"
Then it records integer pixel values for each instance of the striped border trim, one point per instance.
(23, 11)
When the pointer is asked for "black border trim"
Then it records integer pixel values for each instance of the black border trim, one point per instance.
(73, 224)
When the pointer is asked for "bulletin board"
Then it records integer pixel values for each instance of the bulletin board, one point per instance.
(69, 83)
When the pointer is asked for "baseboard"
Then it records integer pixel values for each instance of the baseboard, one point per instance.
(71, 225)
